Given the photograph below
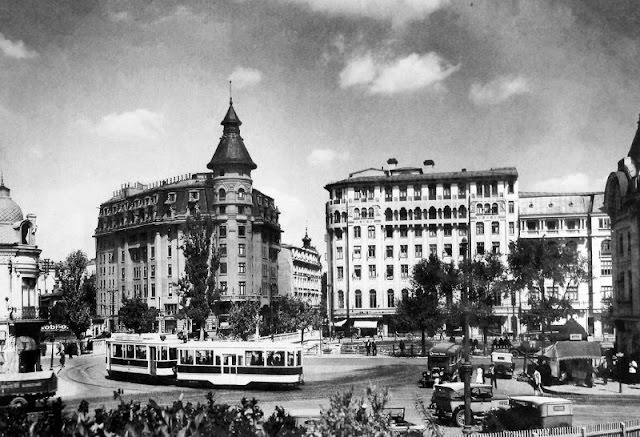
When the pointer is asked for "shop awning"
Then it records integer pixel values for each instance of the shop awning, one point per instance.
(367, 324)
(340, 323)
(573, 350)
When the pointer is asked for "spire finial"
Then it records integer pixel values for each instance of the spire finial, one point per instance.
(230, 95)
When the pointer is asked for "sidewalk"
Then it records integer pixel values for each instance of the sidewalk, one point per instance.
(612, 388)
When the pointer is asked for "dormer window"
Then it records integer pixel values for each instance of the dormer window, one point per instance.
(171, 197)
(194, 196)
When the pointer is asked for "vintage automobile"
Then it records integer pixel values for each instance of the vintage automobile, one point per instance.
(22, 389)
(400, 426)
(531, 412)
(448, 401)
(442, 365)
(503, 364)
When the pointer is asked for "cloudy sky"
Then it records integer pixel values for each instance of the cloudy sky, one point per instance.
(95, 94)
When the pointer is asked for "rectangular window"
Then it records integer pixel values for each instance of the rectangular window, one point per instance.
(446, 191)
(242, 249)
(495, 247)
(432, 192)
(433, 230)
(388, 232)
(223, 268)
(448, 250)
(404, 271)
(433, 249)
(223, 287)
(480, 248)
(606, 291)
(372, 271)
(170, 292)
(242, 288)
(241, 231)
(153, 252)
(371, 232)
(512, 207)
(417, 231)
(605, 267)
(153, 270)
(512, 228)
(404, 251)
(604, 223)
(462, 191)
(389, 274)
(169, 270)
(417, 192)
(122, 256)
(169, 250)
(242, 268)
(418, 250)
(222, 249)
(403, 193)
(371, 252)
(495, 228)
(572, 293)
(389, 252)
(357, 251)
(356, 232)
(404, 232)
(153, 291)
(223, 232)
(339, 253)
(448, 230)
(388, 194)
(340, 272)
(357, 272)
(510, 187)
(123, 273)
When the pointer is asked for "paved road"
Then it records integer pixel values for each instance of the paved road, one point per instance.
(85, 378)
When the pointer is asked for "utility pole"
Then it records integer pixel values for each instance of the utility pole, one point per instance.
(466, 366)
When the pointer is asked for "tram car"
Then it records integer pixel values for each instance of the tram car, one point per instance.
(142, 355)
(240, 362)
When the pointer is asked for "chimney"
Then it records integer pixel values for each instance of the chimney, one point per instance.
(393, 163)
(429, 163)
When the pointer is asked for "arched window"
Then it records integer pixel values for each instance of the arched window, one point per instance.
(479, 208)
(388, 215)
(462, 212)
(495, 228)
(391, 301)
(356, 213)
(395, 214)
(340, 299)
(447, 212)
(494, 209)
(410, 214)
(487, 208)
(336, 217)
(222, 195)
(241, 194)
(24, 231)
(403, 214)
(344, 217)
(358, 299)
(371, 213)
(373, 301)
(479, 228)
(432, 213)
(417, 214)
(605, 247)
(405, 294)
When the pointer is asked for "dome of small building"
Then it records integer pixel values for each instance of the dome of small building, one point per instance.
(10, 212)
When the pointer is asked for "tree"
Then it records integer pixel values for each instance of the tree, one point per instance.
(197, 285)
(78, 292)
(298, 314)
(545, 269)
(136, 315)
(424, 308)
(243, 319)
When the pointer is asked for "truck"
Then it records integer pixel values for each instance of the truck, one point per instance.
(22, 389)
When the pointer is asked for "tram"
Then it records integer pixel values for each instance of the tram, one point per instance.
(240, 362)
(229, 363)
(150, 355)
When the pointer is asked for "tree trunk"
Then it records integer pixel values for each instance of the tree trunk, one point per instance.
(301, 336)
(424, 342)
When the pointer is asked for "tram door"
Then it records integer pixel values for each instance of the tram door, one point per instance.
(229, 364)
(152, 360)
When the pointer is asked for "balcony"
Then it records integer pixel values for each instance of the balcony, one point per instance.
(29, 313)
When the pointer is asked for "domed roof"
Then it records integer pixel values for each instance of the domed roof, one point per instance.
(10, 212)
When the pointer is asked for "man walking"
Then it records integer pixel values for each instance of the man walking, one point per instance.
(492, 376)
(633, 371)
(537, 382)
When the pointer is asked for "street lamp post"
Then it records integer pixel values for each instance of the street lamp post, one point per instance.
(466, 366)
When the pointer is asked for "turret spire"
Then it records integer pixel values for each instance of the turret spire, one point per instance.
(306, 241)
(231, 150)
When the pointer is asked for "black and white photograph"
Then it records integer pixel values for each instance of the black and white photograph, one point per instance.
(287, 218)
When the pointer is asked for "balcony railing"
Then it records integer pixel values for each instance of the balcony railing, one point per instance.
(29, 313)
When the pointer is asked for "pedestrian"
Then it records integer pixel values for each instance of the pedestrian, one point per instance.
(633, 371)
(367, 346)
(374, 348)
(401, 346)
(537, 382)
(70, 350)
(62, 358)
(604, 371)
(492, 376)
(480, 375)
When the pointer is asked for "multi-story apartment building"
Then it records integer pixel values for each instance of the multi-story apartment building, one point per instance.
(300, 271)
(381, 222)
(578, 221)
(622, 203)
(141, 228)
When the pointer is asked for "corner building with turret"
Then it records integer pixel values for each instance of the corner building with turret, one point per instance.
(140, 232)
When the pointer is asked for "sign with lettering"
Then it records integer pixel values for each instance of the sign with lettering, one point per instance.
(575, 337)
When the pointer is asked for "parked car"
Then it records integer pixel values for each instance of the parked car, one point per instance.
(442, 365)
(531, 412)
(401, 427)
(448, 401)
(503, 364)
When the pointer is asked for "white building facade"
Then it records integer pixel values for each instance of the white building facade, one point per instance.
(300, 272)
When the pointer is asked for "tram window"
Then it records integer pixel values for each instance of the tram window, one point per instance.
(208, 359)
(117, 351)
(217, 360)
(186, 357)
(254, 358)
(141, 352)
(275, 358)
(129, 351)
(229, 360)
(204, 358)
(163, 353)
(239, 360)
(299, 356)
(290, 359)
(173, 353)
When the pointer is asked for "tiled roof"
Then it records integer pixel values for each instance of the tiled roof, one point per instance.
(231, 148)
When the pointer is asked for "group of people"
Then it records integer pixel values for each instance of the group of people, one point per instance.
(481, 375)
(370, 347)
(501, 343)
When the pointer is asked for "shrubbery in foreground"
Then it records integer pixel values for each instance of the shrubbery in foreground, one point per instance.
(346, 416)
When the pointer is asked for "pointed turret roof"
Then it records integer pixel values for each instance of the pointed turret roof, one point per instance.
(231, 148)
(634, 151)
(306, 241)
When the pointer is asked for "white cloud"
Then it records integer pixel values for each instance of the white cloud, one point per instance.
(573, 182)
(498, 90)
(322, 157)
(245, 77)
(16, 49)
(410, 73)
(399, 12)
(137, 125)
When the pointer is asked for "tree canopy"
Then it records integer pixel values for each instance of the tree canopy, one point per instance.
(78, 292)
(136, 315)
(243, 319)
(289, 314)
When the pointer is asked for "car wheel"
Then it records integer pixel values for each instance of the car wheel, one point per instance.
(18, 402)
(515, 353)
(458, 417)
